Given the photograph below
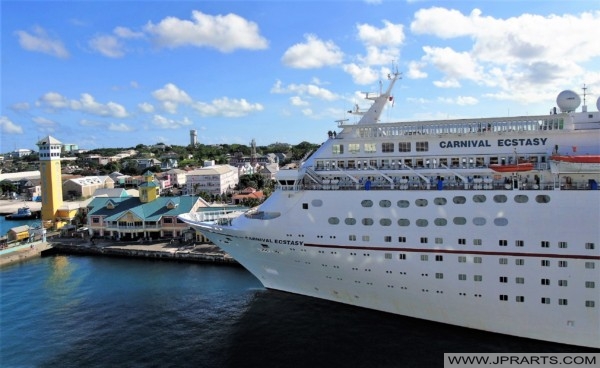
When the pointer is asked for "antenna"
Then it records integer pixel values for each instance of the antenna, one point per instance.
(584, 90)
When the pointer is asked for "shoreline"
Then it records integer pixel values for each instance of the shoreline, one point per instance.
(161, 250)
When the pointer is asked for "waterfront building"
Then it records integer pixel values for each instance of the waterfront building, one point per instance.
(85, 187)
(215, 180)
(51, 177)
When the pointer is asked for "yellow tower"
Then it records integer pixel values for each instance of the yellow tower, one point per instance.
(149, 190)
(51, 178)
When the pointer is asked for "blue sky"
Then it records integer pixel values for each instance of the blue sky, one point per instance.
(121, 73)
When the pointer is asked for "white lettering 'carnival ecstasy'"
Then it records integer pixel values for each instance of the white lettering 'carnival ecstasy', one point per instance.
(500, 143)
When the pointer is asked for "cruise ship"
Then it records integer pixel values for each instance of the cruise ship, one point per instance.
(487, 223)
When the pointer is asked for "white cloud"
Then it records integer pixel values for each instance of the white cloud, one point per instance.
(21, 106)
(40, 41)
(8, 127)
(226, 107)
(42, 121)
(314, 53)
(124, 32)
(304, 89)
(225, 33)
(390, 35)
(146, 107)
(166, 123)
(415, 70)
(120, 127)
(107, 45)
(460, 100)
(170, 96)
(297, 101)
(87, 104)
(89, 123)
(361, 74)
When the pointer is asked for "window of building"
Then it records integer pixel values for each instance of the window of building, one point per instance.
(404, 147)
(338, 149)
(370, 148)
(422, 146)
(354, 148)
(387, 147)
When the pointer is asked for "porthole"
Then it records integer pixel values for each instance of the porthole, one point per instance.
(403, 203)
(542, 198)
(520, 198)
(422, 222)
(350, 221)
(367, 221)
(500, 221)
(440, 221)
(403, 222)
(459, 200)
(440, 201)
(479, 198)
(421, 202)
(385, 222)
(500, 198)
(459, 220)
(317, 202)
(334, 220)
(479, 221)
(385, 203)
(366, 203)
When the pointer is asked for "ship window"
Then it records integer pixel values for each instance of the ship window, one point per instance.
(503, 279)
(462, 259)
(402, 203)
(421, 202)
(316, 202)
(354, 148)
(590, 303)
(462, 276)
(422, 146)
(388, 256)
(350, 221)
(352, 237)
(439, 240)
(590, 265)
(500, 198)
(519, 280)
(479, 198)
(387, 239)
(545, 300)
(520, 198)
(562, 302)
(367, 221)
(477, 278)
(563, 263)
(500, 221)
(387, 147)
(440, 201)
(459, 200)
(589, 246)
(562, 244)
(334, 220)
(519, 261)
(366, 203)
(477, 260)
(439, 275)
(439, 258)
(519, 299)
(562, 283)
(304, 206)
(402, 239)
(459, 221)
(477, 242)
(590, 284)
(424, 257)
(545, 244)
(403, 222)
(479, 221)
(402, 256)
(503, 261)
(338, 149)
(370, 148)
(424, 240)
(385, 203)
(545, 281)
(366, 238)
(462, 241)
(542, 198)
(385, 222)
(404, 147)
(545, 263)
(422, 222)
(519, 243)
(504, 297)
(440, 221)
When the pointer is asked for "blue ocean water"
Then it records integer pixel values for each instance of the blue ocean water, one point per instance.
(78, 311)
(5, 225)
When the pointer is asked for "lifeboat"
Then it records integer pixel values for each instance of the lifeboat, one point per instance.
(575, 164)
(523, 166)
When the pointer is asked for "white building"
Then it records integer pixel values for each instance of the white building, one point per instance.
(216, 180)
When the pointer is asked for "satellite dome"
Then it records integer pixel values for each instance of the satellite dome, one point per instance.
(598, 104)
(568, 101)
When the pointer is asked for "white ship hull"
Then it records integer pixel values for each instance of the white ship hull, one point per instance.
(415, 218)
